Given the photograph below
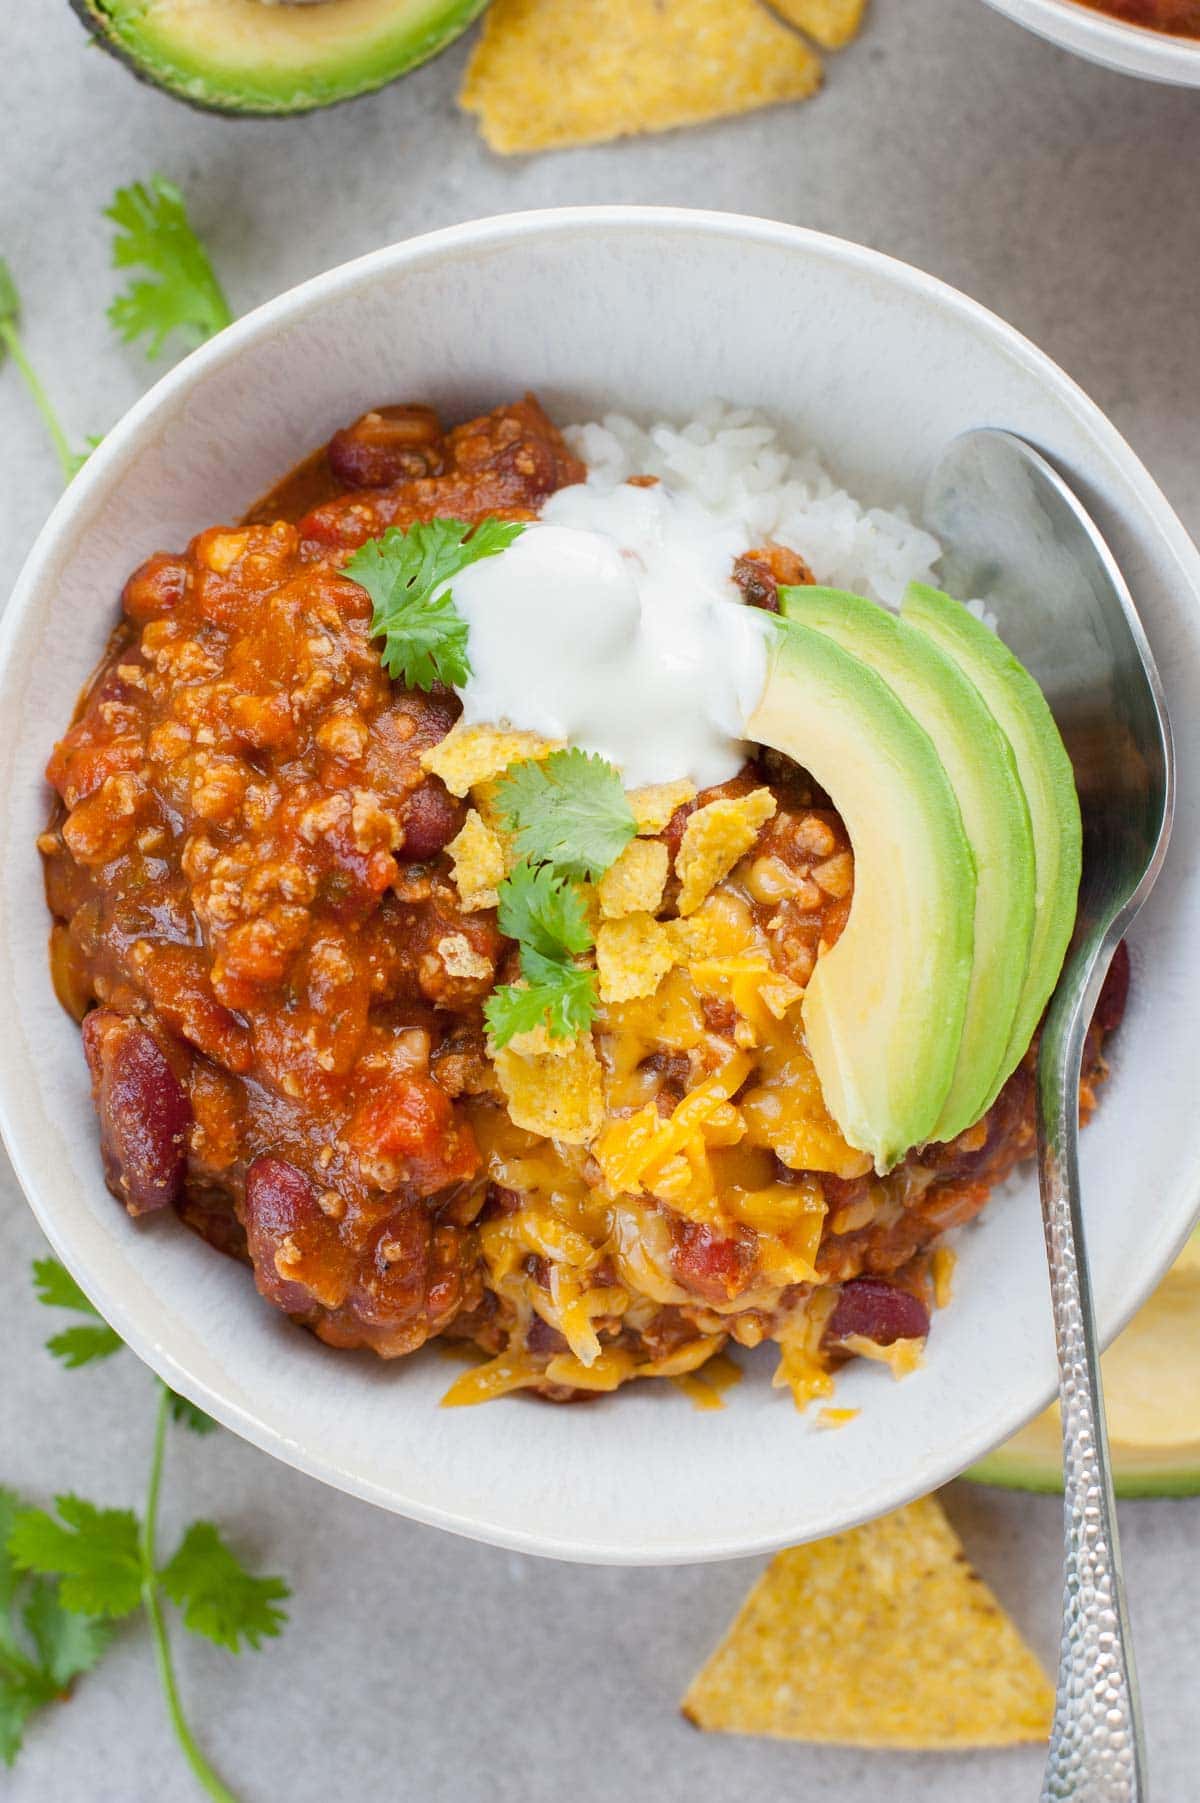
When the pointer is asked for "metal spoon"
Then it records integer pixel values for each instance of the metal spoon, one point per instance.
(1018, 539)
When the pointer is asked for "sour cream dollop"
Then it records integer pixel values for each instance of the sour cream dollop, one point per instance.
(613, 623)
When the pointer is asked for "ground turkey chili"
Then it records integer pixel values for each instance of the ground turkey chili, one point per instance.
(280, 988)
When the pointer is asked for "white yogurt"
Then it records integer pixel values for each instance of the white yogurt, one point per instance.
(614, 623)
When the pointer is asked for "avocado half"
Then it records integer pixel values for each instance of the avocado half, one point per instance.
(884, 1009)
(978, 759)
(1152, 1397)
(258, 57)
(1023, 715)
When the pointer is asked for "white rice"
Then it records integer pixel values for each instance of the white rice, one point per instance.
(734, 461)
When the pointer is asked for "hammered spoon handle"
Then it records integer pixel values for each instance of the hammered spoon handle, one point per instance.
(1096, 1750)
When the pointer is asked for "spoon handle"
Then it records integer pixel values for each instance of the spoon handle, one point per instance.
(1096, 1750)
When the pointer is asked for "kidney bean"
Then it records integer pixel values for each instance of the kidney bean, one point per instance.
(762, 573)
(711, 1263)
(430, 817)
(387, 445)
(143, 1110)
(540, 1337)
(295, 1248)
(878, 1311)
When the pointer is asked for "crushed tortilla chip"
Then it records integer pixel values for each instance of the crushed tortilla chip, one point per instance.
(460, 959)
(833, 1418)
(633, 956)
(471, 754)
(556, 72)
(715, 837)
(635, 883)
(477, 854)
(653, 806)
(556, 1094)
(880, 1637)
(780, 994)
(832, 22)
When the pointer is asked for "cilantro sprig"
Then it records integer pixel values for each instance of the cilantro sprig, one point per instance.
(407, 574)
(70, 461)
(67, 1574)
(544, 913)
(179, 291)
(568, 810)
(570, 820)
(182, 295)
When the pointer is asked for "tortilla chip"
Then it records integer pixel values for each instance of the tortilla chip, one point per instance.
(880, 1637)
(715, 837)
(477, 854)
(460, 959)
(633, 956)
(653, 806)
(471, 754)
(832, 22)
(555, 1094)
(635, 883)
(547, 73)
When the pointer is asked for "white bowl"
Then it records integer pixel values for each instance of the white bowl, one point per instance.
(653, 311)
(1131, 49)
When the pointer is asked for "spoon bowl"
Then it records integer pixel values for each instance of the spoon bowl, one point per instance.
(1017, 538)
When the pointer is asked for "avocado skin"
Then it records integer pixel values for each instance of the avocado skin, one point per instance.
(93, 20)
(1004, 1471)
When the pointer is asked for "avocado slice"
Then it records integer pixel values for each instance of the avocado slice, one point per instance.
(1023, 716)
(258, 57)
(978, 759)
(1152, 1400)
(884, 1009)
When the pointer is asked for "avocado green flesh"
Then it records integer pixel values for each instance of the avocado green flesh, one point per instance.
(1152, 1399)
(883, 1012)
(1023, 716)
(979, 762)
(246, 56)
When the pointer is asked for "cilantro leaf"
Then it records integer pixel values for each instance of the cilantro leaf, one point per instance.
(10, 1507)
(407, 575)
(181, 293)
(56, 1288)
(568, 810)
(67, 1642)
(565, 1005)
(95, 1551)
(543, 911)
(75, 1346)
(219, 1597)
(59, 1646)
(187, 1414)
(22, 1694)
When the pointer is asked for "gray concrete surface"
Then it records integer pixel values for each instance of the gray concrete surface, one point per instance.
(417, 1666)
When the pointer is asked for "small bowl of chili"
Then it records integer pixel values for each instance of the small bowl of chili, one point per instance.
(1158, 40)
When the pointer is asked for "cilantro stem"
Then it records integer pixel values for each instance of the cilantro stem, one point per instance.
(10, 338)
(206, 1777)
